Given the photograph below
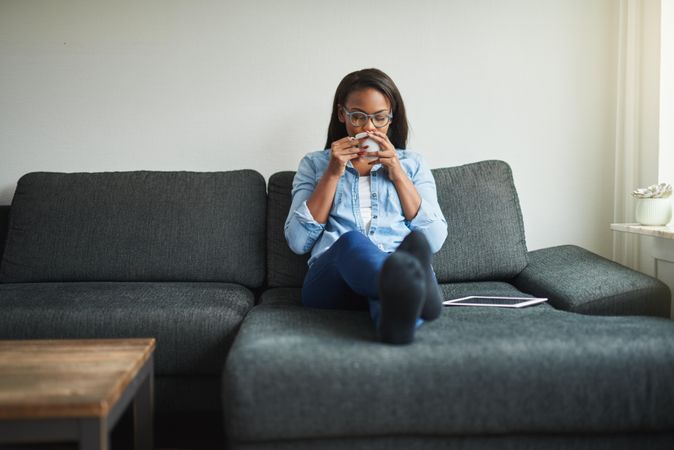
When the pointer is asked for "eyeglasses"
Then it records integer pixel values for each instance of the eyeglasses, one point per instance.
(360, 119)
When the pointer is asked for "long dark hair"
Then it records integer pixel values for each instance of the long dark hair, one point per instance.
(370, 78)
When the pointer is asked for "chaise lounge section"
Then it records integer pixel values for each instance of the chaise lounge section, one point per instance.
(540, 377)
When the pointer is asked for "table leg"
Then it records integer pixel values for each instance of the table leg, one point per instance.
(94, 434)
(143, 413)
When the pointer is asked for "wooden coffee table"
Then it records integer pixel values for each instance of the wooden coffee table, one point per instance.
(75, 390)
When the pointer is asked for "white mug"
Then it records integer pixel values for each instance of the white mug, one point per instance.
(373, 147)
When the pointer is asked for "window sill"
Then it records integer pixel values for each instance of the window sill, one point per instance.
(657, 231)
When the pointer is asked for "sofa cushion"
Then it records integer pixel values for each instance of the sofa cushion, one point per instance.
(293, 296)
(301, 373)
(612, 441)
(284, 268)
(137, 226)
(194, 323)
(484, 223)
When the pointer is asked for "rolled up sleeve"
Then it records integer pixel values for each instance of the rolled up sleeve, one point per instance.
(429, 220)
(301, 229)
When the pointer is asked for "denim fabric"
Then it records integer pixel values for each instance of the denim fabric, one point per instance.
(346, 275)
(348, 269)
(389, 225)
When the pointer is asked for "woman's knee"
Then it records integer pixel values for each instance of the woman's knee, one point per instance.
(353, 239)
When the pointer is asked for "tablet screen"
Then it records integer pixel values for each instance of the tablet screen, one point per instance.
(488, 300)
(508, 302)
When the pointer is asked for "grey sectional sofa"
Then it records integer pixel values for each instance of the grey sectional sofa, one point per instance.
(199, 261)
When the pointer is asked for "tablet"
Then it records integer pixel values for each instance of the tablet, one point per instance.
(502, 302)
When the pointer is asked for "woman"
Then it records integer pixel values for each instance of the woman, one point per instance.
(371, 224)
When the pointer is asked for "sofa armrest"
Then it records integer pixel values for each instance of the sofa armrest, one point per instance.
(576, 280)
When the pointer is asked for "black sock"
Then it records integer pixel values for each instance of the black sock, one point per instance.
(416, 244)
(401, 292)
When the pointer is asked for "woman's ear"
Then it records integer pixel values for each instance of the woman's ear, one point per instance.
(340, 113)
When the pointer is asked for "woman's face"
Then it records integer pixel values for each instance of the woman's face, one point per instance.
(368, 101)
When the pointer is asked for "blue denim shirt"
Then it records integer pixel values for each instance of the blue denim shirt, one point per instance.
(388, 226)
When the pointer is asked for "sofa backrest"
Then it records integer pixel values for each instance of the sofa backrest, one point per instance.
(485, 228)
(137, 226)
(4, 224)
(284, 268)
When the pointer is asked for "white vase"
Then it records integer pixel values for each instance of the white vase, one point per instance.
(654, 211)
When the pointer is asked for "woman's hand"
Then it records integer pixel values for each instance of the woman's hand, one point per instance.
(341, 152)
(409, 197)
(387, 156)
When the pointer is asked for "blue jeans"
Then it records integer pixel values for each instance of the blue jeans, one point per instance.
(345, 276)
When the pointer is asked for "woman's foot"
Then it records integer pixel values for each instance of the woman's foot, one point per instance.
(402, 290)
(416, 244)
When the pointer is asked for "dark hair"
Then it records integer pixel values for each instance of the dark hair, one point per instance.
(363, 79)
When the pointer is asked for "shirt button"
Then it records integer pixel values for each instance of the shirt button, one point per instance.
(372, 232)
(374, 195)
(374, 217)
(374, 174)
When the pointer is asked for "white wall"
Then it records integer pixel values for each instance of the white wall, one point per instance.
(216, 85)
(666, 130)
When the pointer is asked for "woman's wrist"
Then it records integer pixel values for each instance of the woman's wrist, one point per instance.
(397, 176)
(335, 169)
(332, 175)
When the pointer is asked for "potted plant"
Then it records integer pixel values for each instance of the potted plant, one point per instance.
(654, 206)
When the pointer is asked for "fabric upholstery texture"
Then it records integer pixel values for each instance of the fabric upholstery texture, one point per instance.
(282, 296)
(293, 296)
(300, 373)
(284, 268)
(577, 280)
(495, 288)
(187, 394)
(613, 441)
(137, 226)
(484, 222)
(194, 323)
(4, 223)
